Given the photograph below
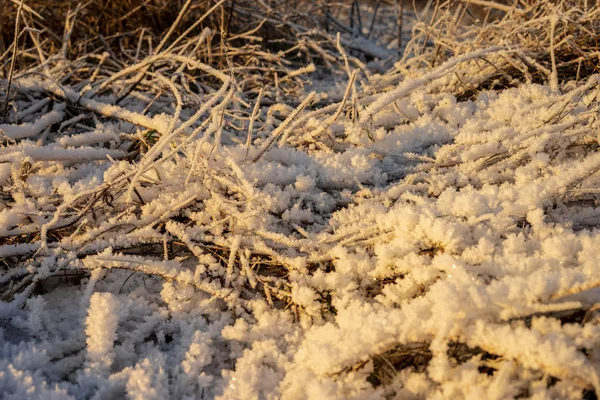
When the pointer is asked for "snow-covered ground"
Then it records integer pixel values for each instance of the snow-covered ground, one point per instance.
(401, 242)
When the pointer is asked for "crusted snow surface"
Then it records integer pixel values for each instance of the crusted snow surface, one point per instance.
(429, 255)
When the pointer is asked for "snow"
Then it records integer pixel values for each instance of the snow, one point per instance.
(458, 234)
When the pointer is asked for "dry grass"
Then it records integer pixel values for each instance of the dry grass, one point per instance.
(553, 42)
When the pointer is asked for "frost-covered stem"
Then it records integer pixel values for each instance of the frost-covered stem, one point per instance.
(182, 12)
(248, 188)
(582, 287)
(14, 58)
(497, 6)
(279, 130)
(335, 116)
(373, 18)
(245, 261)
(199, 42)
(400, 18)
(179, 101)
(194, 25)
(36, 42)
(235, 245)
(69, 25)
(13, 250)
(253, 118)
(408, 86)
(192, 136)
(193, 164)
(340, 48)
(554, 75)
(28, 130)
(170, 134)
(169, 270)
(151, 155)
(34, 108)
(104, 109)
(64, 206)
(138, 48)
(169, 213)
(217, 116)
(162, 43)
(532, 62)
(190, 62)
(96, 72)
